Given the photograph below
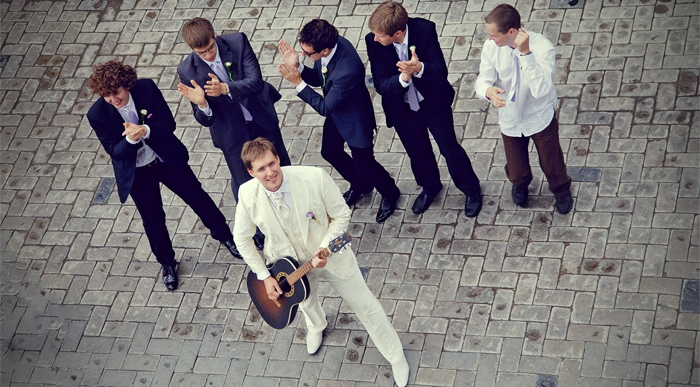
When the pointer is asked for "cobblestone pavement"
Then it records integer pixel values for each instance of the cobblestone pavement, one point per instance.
(604, 296)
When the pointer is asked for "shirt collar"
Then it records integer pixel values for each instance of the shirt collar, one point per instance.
(129, 105)
(399, 46)
(284, 188)
(326, 60)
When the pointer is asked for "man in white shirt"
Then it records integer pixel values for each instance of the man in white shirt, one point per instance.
(517, 75)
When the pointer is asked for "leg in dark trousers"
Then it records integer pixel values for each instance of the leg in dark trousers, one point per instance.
(517, 160)
(458, 163)
(414, 137)
(239, 173)
(146, 195)
(333, 151)
(182, 181)
(551, 158)
(375, 173)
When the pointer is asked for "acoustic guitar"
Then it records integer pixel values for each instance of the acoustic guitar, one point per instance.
(292, 279)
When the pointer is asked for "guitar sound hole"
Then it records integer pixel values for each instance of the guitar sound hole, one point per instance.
(287, 289)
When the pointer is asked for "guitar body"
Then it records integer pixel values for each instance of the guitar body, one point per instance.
(281, 316)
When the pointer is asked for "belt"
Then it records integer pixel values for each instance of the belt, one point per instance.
(152, 163)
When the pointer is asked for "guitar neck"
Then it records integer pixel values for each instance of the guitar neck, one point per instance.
(302, 270)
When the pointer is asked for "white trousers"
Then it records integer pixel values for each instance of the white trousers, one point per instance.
(363, 303)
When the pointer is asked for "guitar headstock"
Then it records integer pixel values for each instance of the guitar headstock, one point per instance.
(339, 242)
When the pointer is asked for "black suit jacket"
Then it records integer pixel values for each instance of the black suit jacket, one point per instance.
(345, 98)
(433, 85)
(227, 124)
(109, 126)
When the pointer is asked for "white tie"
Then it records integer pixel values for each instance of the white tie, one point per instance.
(282, 209)
(412, 93)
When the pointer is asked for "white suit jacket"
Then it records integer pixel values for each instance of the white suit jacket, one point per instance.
(313, 190)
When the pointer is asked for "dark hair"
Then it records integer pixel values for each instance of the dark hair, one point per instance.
(319, 34)
(197, 32)
(505, 17)
(255, 149)
(388, 18)
(106, 79)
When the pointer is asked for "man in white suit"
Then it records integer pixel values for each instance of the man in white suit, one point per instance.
(300, 210)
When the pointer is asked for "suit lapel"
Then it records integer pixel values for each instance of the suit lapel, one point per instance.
(225, 54)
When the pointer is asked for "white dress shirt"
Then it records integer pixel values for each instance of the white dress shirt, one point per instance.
(145, 154)
(324, 63)
(287, 198)
(528, 81)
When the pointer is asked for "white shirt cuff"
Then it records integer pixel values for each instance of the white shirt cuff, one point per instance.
(263, 274)
(422, 69)
(404, 84)
(206, 110)
(300, 87)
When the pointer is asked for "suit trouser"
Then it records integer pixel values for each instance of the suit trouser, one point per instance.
(361, 170)
(413, 132)
(182, 181)
(363, 303)
(232, 155)
(550, 156)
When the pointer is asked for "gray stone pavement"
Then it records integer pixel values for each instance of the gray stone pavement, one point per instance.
(604, 296)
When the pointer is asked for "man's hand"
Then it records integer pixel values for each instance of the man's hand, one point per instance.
(320, 258)
(195, 94)
(133, 131)
(215, 87)
(272, 287)
(522, 42)
(412, 66)
(493, 93)
(289, 55)
(290, 73)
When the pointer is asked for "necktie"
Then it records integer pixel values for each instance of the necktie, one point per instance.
(131, 116)
(411, 94)
(282, 209)
(516, 76)
(219, 71)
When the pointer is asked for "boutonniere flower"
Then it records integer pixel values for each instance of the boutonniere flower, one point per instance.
(144, 114)
(228, 70)
(324, 71)
(310, 215)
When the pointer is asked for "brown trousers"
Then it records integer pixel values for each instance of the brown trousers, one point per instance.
(550, 155)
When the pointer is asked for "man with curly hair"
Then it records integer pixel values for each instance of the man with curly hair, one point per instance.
(136, 128)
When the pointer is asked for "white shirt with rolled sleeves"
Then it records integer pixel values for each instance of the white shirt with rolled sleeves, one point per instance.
(535, 94)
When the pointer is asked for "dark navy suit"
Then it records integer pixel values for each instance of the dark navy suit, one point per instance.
(435, 111)
(228, 127)
(143, 183)
(347, 106)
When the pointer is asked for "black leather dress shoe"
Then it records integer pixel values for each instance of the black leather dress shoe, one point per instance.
(564, 203)
(259, 239)
(170, 276)
(472, 206)
(352, 195)
(519, 194)
(386, 208)
(424, 200)
(230, 246)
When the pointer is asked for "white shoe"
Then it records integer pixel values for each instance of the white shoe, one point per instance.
(313, 341)
(400, 371)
